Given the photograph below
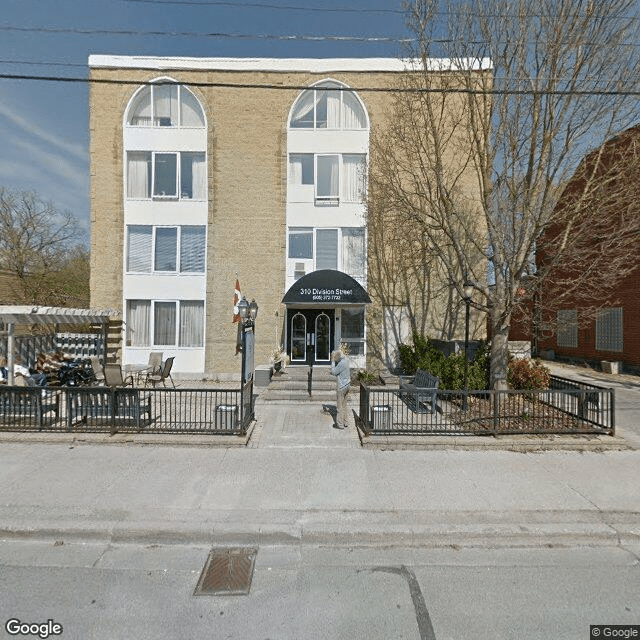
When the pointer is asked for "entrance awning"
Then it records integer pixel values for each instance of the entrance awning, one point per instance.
(326, 287)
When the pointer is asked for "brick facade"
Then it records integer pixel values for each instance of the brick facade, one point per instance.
(247, 184)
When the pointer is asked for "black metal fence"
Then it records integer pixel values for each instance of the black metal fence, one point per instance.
(126, 409)
(565, 408)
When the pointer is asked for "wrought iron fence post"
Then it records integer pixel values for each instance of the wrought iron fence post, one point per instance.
(114, 408)
(612, 410)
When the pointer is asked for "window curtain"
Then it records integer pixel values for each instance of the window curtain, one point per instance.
(193, 176)
(303, 113)
(333, 109)
(191, 323)
(353, 252)
(138, 174)
(354, 178)
(139, 249)
(328, 176)
(138, 317)
(140, 114)
(164, 323)
(165, 105)
(353, 116)
(199, 172)
(192, 249)
(191, 112)
(295, 169)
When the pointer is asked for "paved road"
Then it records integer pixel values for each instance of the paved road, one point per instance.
(627, 389)
(104, 591)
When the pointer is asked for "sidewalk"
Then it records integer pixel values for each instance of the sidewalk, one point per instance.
(302, 482)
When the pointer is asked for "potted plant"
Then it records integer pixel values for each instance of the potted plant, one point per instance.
(280, 359)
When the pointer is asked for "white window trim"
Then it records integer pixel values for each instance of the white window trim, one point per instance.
(154, 84)
(318, 86)
(339, 197)
(160, 198)
(178, 270)
(313, 259)
(151, 330)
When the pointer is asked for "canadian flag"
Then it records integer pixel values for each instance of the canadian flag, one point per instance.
(236, 298)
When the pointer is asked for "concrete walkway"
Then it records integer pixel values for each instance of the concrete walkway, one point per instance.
(301, 481)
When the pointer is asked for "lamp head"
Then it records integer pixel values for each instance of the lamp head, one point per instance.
(253, 309)
(243, 308)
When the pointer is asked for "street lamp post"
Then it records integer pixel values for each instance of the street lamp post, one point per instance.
(248, 312)
(468, 292)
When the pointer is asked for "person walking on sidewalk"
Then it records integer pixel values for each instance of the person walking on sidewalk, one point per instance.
(340, 368)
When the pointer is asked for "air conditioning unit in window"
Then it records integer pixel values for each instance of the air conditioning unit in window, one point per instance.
(299, 271)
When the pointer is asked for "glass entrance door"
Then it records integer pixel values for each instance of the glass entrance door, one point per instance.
(310, 335)
(298, 338)
(323, 338)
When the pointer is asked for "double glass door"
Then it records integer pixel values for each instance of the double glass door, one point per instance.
(310, 335)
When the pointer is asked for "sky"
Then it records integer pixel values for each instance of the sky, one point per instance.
(44, 137)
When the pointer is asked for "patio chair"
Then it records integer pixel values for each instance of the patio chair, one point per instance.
(164, 373)
(113, 376)
(153, 366)
(98, 370)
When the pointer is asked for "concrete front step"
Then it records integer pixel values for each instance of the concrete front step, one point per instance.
(276, 395)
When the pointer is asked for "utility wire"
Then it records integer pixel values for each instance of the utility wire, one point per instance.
(292, 87)
(191, 34)
(265, 36)
(260, 5)
(344, 9)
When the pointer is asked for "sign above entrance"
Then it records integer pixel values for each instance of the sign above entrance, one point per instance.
(326, 287)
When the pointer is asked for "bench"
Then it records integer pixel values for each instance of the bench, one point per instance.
(420, 388)
(28, 406)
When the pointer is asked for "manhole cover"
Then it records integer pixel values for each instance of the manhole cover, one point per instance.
(227, 571)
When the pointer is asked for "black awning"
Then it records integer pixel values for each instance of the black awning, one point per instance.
(326, 287)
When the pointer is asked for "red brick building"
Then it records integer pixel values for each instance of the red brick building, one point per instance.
(600, 319)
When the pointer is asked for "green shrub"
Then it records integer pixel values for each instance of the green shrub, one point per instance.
(527, 374)
(368, 377)
(450, 369)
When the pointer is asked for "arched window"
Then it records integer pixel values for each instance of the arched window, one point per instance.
(328, 105)
(165, 104)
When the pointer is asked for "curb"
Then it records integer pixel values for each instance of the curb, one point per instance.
(146, 439)
(482, 532)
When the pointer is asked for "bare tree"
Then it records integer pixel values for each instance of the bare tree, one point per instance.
(479, 158)
(39, 247)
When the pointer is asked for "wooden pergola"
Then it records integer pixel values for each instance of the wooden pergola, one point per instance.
(12, 316)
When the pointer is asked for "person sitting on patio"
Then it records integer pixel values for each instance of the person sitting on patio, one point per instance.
(4, 372)
(28, 379)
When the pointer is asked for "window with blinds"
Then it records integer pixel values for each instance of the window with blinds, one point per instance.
(166, 249)
(192, 249)
(609, 329)
(326, 249)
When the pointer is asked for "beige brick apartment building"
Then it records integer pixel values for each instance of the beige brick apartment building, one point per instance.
(204, 170)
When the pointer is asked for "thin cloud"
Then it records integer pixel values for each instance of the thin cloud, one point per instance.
(33, 129)
(54, 163)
